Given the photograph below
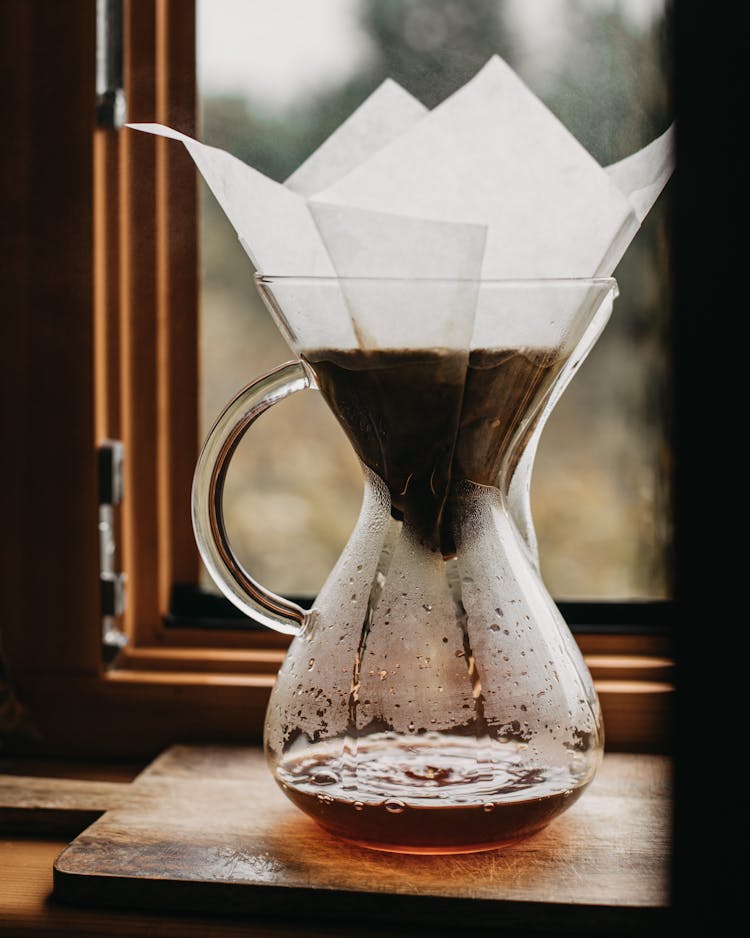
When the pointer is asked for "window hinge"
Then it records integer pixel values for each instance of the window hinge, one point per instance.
(111, 581)
(111, 106)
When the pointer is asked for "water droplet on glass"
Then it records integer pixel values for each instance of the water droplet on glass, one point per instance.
(394, 807)
(411, 727)
(494, 627)
(489, 807)
(427, 607)
(311, 664)
(358, 806)
(324, 778)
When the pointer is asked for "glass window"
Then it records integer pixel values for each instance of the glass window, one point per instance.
(274, 81)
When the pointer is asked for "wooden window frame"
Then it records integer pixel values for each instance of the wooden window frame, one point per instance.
(119, 257)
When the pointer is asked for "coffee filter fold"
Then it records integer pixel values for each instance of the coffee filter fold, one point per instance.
(487, 185)
(387, 113)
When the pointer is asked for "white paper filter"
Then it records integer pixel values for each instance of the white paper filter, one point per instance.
(489, 184)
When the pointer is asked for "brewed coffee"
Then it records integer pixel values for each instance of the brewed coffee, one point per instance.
(425, 420)
(460, 803)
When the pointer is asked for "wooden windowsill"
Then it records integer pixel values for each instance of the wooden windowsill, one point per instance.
(27, 907)
(613, 844)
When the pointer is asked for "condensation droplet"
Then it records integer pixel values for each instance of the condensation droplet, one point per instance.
(494, 627)
(322, 777)
(358, 806)
(489, 807)
(311, 664)
(394, 807)
(411, 727)
(427, 607)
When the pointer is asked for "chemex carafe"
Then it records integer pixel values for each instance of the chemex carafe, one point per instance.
(433, 699)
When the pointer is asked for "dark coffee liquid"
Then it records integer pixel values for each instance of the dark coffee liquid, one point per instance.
(424, 420)
(503, 389)
(425, 796)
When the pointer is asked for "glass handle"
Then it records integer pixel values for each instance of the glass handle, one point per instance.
(208, 494)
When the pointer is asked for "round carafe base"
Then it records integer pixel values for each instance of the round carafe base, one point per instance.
(421, 795)
(437, 850)
(439, 830)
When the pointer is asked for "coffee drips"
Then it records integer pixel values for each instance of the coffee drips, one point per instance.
(426, 420)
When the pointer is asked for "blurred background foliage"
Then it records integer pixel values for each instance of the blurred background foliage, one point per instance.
(601, 485)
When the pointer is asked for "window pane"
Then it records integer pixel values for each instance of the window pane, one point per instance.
(274, 81)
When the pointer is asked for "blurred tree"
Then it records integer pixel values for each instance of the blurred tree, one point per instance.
(610, 89)
(432, 47)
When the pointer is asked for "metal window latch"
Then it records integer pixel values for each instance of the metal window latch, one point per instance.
(110, 457)
(111, 106)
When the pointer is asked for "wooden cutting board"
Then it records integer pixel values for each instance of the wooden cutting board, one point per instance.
(204, 828)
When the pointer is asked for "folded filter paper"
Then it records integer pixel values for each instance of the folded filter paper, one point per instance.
(488, 185)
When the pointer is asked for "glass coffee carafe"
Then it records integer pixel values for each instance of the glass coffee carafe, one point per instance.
(433, 699)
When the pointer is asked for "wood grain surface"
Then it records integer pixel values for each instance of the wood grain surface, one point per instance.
(204, 829)
(27, 910)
